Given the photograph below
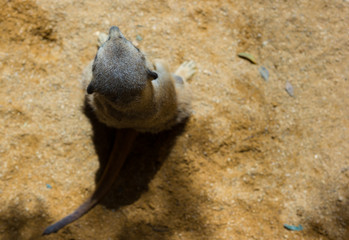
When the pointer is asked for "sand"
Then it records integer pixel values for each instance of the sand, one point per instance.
(250, 159)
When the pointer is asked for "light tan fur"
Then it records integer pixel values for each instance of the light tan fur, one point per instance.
(161, 102)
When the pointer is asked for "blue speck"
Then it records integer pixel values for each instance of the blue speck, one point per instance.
(139, 38)
(48, 186)
(293, 228)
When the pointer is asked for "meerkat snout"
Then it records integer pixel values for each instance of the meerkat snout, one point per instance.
(114, 32)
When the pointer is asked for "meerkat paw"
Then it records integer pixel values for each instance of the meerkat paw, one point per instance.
(101, 38)
(186, 70)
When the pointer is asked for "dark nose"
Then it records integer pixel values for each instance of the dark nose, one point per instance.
(114, 28)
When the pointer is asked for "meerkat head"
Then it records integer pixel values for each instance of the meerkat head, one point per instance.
(120, 70)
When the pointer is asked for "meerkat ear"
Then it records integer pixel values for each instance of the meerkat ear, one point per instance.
(152, 75)
(90, 89)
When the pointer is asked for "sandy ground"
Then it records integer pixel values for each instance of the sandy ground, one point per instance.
(250, 159)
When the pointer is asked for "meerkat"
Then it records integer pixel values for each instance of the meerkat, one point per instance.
(129, 93)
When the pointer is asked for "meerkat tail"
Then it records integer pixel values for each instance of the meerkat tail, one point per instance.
(124, 140)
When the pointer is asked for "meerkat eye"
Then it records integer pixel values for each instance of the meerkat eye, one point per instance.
(152, 75)
(90, 89)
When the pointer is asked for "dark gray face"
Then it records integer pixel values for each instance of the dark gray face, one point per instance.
(119, 69)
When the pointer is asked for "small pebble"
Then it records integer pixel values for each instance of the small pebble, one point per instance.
(289, 89)
(264, 73)
(248, 57)
(340, 198)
